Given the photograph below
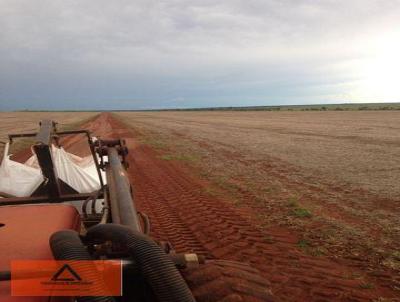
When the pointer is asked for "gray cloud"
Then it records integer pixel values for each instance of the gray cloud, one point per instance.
(147, 54)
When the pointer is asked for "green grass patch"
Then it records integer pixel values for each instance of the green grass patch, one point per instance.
(296, 210)
(220, 179)
(303, 244)
(292, 201)
(366, 285)
(226, 184)
(210, 191)
(271, 190)
(306, 246)
(301, 213)
(180, 157)
(396, 255)
(154, 143)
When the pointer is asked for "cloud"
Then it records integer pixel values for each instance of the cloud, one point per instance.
(145, 53)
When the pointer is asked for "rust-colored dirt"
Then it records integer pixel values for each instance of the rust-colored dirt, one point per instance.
(193, 221)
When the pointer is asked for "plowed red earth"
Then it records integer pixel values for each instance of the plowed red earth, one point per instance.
(193, 221)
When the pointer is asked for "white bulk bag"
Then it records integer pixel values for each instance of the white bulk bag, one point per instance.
(72, 174)
(18, 179)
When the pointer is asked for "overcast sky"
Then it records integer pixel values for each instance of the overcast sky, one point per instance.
(135, 54)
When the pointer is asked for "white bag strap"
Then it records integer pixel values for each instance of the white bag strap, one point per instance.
(6, 148)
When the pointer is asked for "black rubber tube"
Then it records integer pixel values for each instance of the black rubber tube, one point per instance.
(153, 263)
(5, 276)
(67, 245)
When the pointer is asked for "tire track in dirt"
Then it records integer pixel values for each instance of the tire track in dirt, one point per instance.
(193, 221)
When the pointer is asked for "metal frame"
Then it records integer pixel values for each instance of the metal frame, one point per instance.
(44, 138)
(112, 153)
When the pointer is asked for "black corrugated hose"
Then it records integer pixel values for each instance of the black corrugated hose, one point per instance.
(155, 266)
(67, 245)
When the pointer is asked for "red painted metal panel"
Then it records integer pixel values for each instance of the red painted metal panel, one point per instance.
(24, 234)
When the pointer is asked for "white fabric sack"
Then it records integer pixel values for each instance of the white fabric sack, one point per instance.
(87, 164)
(72, 174)
(23, 179)
(82, 162)
(18, 179)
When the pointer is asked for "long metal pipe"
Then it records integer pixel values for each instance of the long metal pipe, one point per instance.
(121, 189)
(44, 199)
(113, 200)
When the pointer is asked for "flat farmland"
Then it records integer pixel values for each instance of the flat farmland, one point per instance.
(358, 148)
(330, 179)
(310, 199)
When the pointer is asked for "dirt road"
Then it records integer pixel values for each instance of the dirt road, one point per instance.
(184, 214)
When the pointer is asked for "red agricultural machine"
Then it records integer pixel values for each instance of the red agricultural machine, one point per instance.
(57, 205)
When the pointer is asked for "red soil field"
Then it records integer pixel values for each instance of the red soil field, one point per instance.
(192, 220)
